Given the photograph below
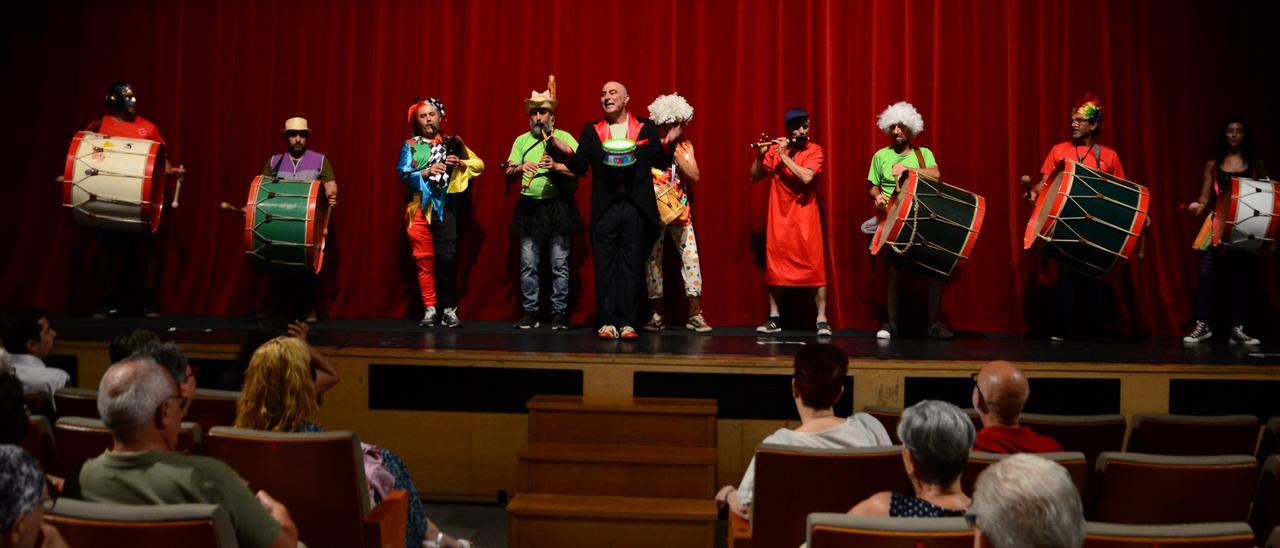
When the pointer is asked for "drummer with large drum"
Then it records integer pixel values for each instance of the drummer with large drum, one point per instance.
(901, 122)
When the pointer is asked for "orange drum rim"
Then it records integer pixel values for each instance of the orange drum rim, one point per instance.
(68, 170)
(317, 217)
(1275, 214)
(152, 191)
(896, 211)
(1031, 238)
(975, 229)
(251, 212)
(1139, 223)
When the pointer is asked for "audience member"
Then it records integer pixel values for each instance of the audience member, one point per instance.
(15, 418)
(279, 395)
(22, 493)
(322, 372)
(135, 400)
(999, 392)
(28, 338)
(171, 358)
(816, 385)
(936, 437)
(1025, 500)
(125, 343)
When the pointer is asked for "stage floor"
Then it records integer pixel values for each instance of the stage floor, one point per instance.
(743, 342)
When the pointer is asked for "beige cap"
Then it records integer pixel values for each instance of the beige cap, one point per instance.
(296, 124)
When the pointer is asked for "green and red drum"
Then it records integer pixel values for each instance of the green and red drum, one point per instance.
(929, 224)
(1087, 220)
(285, 224)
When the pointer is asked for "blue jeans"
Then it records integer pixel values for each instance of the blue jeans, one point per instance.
(530, 257)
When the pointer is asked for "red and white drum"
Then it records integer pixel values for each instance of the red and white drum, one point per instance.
(114, 183)
(1247, 216)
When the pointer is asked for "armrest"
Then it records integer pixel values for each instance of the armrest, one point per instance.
(739, 532)
(384, 527)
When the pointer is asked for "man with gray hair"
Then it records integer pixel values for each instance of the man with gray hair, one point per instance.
(22, 489)
(137, 400)
(1026, 501)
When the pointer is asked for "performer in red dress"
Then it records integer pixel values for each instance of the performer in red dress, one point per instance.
(794, 254)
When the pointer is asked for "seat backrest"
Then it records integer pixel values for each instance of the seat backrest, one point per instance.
(1147, 489)
(1088, 434)
(841, 530)
(1265, 514)
(96, 524)
(1199, 535)
(79, 439)
(76, 402)
(318, 476)
(792, 482)
(1270, 444)
(890, 416)
(39, 442)
(1273, 541)
(1163, 434)
(212, 408)
(1073, 461)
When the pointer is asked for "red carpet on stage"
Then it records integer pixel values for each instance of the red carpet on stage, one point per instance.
(993, 80)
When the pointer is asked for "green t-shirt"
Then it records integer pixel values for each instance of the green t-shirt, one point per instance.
(540, 186)
(881, 173)
(155, 477)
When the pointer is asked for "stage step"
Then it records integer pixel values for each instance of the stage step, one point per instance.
(631, 470)
(541, 520)
(674, 422)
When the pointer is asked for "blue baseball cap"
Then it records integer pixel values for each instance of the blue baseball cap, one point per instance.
(793, 114)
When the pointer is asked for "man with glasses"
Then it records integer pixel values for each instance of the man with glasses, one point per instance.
(293, 295)
(1000, 391)
(142, 407)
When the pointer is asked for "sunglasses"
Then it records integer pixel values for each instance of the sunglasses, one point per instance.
(294, 133)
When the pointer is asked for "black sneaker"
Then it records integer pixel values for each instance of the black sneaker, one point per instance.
(824, 329)
(449, 318)
(770, 325)
(528, 321)
(1238, 336)
(940, 331)
(106, 312)
(559, 321)
(1199, 334)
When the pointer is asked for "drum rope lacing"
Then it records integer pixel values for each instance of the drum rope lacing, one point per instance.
(932, 215)
(1080, 239)
(267, 242)
(1257, 214)
(94, 197)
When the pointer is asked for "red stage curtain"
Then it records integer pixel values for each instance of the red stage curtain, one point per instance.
(992, 78)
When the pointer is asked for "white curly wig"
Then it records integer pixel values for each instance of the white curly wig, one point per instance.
(903, 113)
(670, 109)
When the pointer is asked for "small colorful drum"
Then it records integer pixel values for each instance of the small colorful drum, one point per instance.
(1087, 220)
(1247, 218)
(285, 224)
(114, 183)
(619, 152)
(670, 206)
(929, 224)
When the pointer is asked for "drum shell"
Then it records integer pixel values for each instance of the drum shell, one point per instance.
(285, 224)
(669, 205)
(1088, 220)
(100, 169)
(941, 232)
(1247, 217)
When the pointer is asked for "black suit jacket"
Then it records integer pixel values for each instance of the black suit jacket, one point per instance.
(636, 178)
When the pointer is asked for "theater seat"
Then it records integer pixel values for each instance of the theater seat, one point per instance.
(1270, 444)
(1073, 461)
(1088, 434)
(1137, 488)
(1273, 541)
(212, 408)
(889, 417)
(1198, 535)
(1162, 434)
(76, 402)
(828, 530)
(39, 442)
(95, 524)
(1265, 514)
(320, 478)
(792, 482)
(79, 439)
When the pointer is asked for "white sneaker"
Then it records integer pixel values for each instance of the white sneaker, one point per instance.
(429, 318)
(1200, 333)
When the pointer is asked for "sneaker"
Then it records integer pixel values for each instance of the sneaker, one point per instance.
(106, 312)
(888, 330)
(429, 318)
(655, 323)
(559, 321)
(1057, 338)
(528, 321)
(939, 331)
(824, 329)
(770, 325)
(1200, 333)
(150, 311)
(628, 333)
(1239, 336)
(607, 333)
(449, 318)
(699, 324)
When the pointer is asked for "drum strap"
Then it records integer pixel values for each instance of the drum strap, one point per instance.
(919, 157)
(1097, 155)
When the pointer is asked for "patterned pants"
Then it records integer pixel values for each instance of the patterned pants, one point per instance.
(690, 267)
(424, 255)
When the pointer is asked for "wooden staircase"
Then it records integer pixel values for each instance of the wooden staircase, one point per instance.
(616, 472)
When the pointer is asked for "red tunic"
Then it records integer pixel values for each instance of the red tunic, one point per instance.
(139, 128)
(1108, 163)
(1013, 439)
(793, 239)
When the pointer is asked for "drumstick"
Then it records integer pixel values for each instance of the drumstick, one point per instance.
(177, 188)
(228, 207)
